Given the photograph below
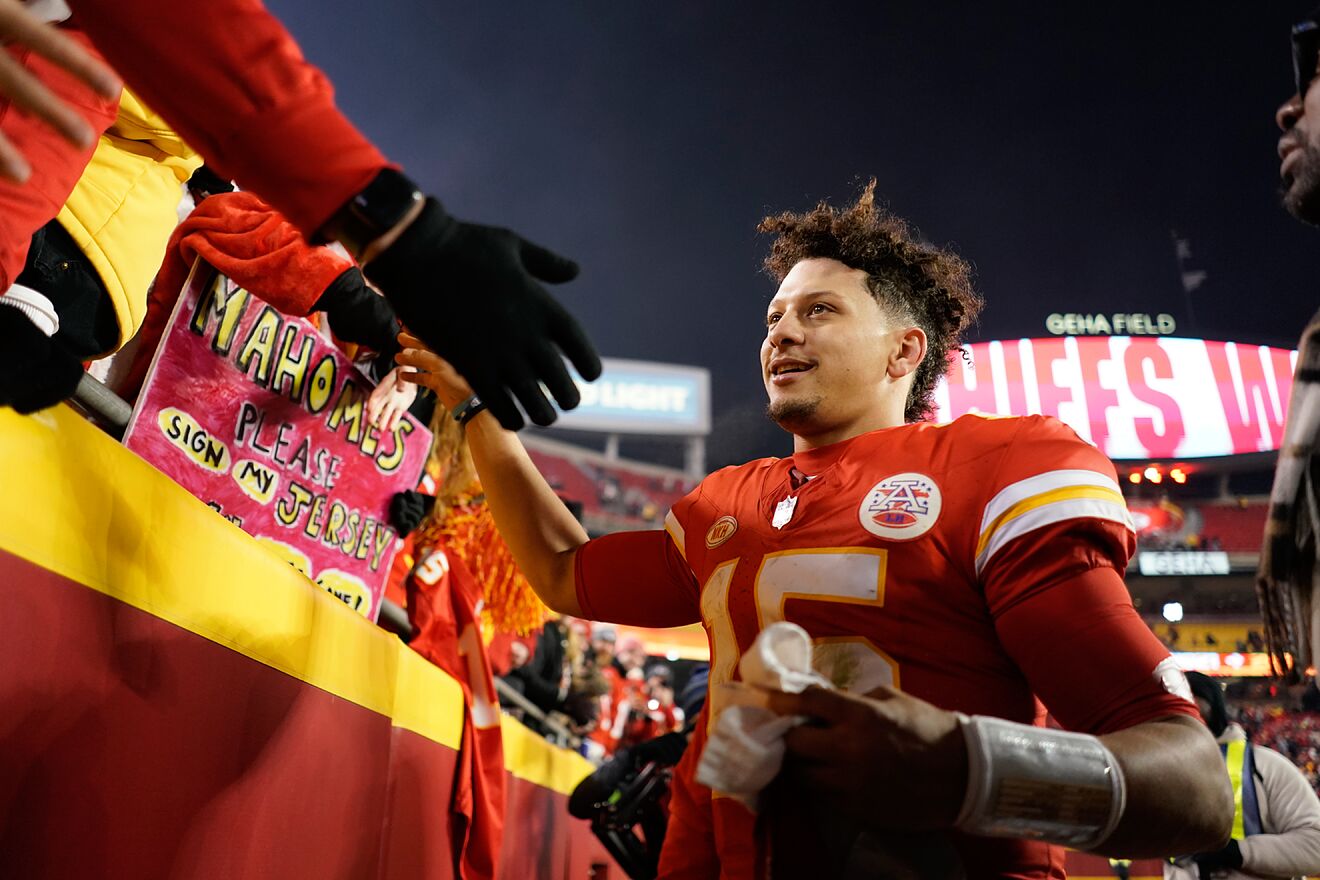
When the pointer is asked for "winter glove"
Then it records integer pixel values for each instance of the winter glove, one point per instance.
(1230, 857)
(358, 314)
(35, 371)
(471, 293)
(408, 509)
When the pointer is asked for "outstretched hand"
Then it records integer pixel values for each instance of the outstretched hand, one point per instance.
(428, 369)
(889, 760)
(473, 294)
(19, 26)
(389, 401)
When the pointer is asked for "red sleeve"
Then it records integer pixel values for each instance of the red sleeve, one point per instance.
(1083, 648)
(638, 579)
(229, 78)
(248, 242)
(1049, 481)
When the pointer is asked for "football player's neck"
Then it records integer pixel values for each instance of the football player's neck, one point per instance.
(825, 432)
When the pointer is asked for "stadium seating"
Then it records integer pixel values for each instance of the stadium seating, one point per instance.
(614, 494)
(1237, 527)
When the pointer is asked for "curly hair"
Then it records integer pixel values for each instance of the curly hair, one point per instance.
(912, 280)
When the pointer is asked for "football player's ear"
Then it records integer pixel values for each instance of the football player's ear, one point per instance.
(909, 351)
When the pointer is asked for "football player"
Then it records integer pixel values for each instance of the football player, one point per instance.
(957, 580)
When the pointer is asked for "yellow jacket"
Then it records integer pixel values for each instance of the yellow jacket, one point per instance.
(125, 205)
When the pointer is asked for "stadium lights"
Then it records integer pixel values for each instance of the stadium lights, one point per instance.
(1153, 474)
(1173, 611)
(1134, 477)
(1178, 475)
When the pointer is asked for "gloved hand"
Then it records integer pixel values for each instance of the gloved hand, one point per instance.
(408, 509)
(1230, 857)
(358, 314)
(471, 293)
(35, 371)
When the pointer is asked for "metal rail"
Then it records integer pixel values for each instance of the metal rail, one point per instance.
(556, 732)
(98, 401)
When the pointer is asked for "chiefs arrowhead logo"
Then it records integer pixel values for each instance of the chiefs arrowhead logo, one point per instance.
(901, 507)
(720, 531)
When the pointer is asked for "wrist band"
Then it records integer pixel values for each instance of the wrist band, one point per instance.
(1039, 784)
(469, 410)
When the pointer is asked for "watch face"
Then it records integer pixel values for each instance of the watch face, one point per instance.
(386, 200)
(376, 209)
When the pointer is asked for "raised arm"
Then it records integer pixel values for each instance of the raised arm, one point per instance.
(241, 93)
(542, 534)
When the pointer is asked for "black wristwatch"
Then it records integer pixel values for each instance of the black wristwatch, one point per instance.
(371, 213)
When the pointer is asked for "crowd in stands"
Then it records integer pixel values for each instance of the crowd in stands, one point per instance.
(1293, 733)
(606, 690)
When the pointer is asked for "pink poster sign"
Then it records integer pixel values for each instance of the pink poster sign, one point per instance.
(264, 419)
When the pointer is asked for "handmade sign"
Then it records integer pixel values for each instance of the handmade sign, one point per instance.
(264, 419)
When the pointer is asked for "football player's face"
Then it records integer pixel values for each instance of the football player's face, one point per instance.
(827, 343)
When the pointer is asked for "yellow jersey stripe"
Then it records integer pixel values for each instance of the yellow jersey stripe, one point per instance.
(1049, 514)
(1068, 492)
(1035, 485)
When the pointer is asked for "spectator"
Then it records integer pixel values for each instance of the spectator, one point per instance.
(630, 655)
(545, 679)
(246, 98)
(95, 260)
(1286, 576)
(1276, 827)
(459, 519)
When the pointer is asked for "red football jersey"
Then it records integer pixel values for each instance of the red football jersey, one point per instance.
(923, 556)
(444, 606)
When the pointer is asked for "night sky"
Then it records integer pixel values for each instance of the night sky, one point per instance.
(1054, 146)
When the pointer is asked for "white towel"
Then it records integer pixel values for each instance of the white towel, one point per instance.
(746, 746)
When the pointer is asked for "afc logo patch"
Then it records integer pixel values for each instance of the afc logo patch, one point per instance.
(901, 507)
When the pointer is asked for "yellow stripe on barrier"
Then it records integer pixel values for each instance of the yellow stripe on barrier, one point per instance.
(529, 757)
(75, 502)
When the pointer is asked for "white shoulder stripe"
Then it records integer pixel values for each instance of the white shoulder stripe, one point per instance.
(675, 530)
(1032, 486)
(1048, 514)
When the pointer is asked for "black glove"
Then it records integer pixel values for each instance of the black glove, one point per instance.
(408, 509)
(35, 371)
(1219, 860)
(471, 293)
(358, 314)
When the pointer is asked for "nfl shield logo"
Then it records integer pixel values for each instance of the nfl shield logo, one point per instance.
(901, 507)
